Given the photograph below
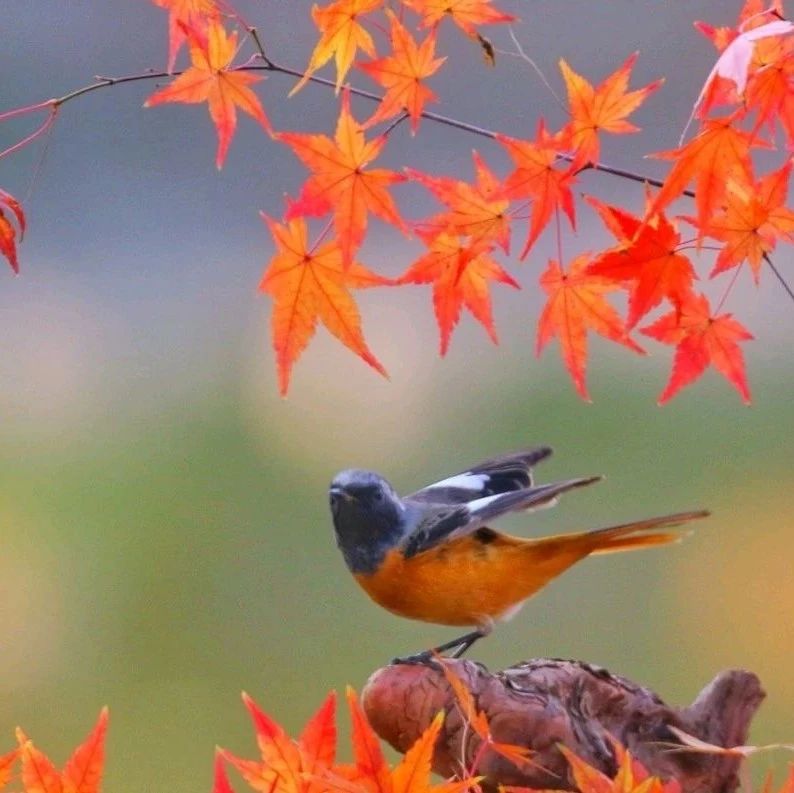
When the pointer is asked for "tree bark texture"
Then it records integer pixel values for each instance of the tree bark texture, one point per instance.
(544, 702)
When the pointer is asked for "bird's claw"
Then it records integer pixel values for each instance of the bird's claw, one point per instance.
(426, 658)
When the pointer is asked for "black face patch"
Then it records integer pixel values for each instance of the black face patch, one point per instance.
(367, 522)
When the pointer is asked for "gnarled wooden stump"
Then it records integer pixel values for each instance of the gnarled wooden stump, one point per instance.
(543, 702)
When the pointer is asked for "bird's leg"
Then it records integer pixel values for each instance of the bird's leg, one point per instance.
(459, 645)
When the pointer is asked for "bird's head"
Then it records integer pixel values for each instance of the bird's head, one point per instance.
(368, 518)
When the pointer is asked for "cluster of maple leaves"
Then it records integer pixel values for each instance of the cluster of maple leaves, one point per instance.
(747, 103)
(309, 764)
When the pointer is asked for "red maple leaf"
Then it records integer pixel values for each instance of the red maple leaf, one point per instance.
(285, 765)
(185, 14)
(403, 73)
(341, 36)
(7, 762)
(602, 109)
(370, 773)
(461, 273)
(307, 765)
(770, 79)
(576, 304)
(753, 220)
(82, 772)
(213, 80)
(760, 42)
(8, 234)
(340, 182)
(718, 153)
(478, 721)
(466, 14)
(536, 177)
(701, 339)
(631, 776)
(477, 211)
(311, 283)
(647, 259)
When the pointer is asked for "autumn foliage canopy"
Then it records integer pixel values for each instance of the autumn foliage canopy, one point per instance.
(731, 168)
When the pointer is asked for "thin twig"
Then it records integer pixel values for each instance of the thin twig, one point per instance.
(520, 53)
(779, 276)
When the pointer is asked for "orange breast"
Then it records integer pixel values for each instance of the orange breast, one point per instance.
(467, 581)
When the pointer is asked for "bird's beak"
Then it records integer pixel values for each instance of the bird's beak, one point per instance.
(340, 492)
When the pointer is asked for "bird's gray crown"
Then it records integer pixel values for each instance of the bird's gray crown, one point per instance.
(353, 478)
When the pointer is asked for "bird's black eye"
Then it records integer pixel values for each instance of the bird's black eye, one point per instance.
(379, 495)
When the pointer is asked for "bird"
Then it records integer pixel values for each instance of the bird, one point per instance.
(431, 555)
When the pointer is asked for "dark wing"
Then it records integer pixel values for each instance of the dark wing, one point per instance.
(441, 523)
(502, 474)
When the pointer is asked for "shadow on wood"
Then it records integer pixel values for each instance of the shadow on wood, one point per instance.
(543, 702)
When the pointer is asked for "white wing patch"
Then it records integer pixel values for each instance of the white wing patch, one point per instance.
(463, 481)
(480, 503)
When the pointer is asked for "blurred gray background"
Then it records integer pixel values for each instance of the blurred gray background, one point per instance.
(165, 534)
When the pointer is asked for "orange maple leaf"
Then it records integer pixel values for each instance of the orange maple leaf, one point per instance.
(769, 82)
(370, 772)
(631, 775)
(602, 109)
(701, 339)
(477, 210)
(286, 766)
(478, 721)
(212, 79)
(575, 305)
(7, 766)
(647, 259)
(760, 44)
(460, 273)
(184, 14)
(340, 182)
(8, 234)
(466, 14)
(82, 772)
(753, 219)
(311, 283)
(536, 178)
(402, 74)
(342, 34)
(717, 154)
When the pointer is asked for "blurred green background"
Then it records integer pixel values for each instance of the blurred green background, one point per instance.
(166, 541)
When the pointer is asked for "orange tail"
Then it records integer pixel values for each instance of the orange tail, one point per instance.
(638, 534)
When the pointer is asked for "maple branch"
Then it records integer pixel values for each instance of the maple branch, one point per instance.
(779, 276)
(271, 66)
(106, 82)
(254, 33)
(542, 703)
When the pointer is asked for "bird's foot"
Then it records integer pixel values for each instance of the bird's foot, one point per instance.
(432, 657)
(426, 658)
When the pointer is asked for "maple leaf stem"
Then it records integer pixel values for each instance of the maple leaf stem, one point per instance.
(41, 130)
(728, 289)
(20, 111)
(396, 123)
